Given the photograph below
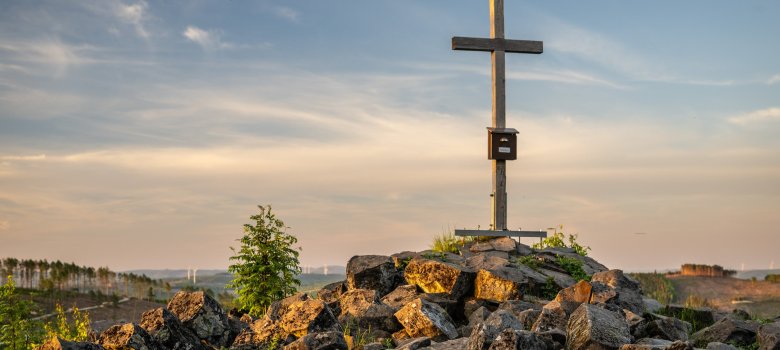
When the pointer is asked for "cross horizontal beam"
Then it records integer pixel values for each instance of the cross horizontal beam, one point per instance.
(496, 44)
(501, 233)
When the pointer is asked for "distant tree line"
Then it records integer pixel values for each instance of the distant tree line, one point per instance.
(59, 276)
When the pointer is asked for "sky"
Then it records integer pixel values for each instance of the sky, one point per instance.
(143, 134)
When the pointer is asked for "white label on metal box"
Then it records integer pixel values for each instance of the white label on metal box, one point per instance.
(504, 150)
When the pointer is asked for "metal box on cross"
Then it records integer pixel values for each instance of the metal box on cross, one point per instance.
(502, 143)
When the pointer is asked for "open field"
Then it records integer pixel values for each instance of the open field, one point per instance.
(759, 298)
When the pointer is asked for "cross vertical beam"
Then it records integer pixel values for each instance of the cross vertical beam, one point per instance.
(498, 169)
(498, 46)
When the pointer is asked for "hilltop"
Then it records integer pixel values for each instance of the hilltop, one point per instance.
(494, 294)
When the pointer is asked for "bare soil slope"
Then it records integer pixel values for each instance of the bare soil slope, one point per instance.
(759, 298)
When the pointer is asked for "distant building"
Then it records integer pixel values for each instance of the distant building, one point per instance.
(705, 271)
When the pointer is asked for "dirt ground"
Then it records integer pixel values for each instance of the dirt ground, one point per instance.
(759, 298)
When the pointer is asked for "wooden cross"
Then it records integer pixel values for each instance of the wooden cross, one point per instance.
(497, 45)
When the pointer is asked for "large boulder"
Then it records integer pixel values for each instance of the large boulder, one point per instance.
(414, 344)
(512, 339)
(552, 316)
(629, 293)
(589, 265)
(319, 341)
(486, 261)
(401, 296)
(202, 315)
(308, 316)
(433, 276)
(594, 328)
(168, 331)
(570, 298)
(485, 333)
(360, 308)
(127, 336)
(500, 284)
(57, 343)
(768, 336)
(424, 318)
(331, 294)
(727, 330)
(668, 328)
(375, 272)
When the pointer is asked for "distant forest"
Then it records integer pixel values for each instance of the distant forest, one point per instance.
(60, 276)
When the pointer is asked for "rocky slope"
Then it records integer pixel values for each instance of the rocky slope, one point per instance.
(495, 295)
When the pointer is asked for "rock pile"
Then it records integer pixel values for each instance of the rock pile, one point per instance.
(495, 295)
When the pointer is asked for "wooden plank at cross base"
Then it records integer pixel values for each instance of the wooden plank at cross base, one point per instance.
(501, 233)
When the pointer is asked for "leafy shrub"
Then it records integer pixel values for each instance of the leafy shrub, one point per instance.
(78, 328)
(529, 260)
(549, 289)
(558, 240)
(446, 242)
(774, 278)
(573, 267)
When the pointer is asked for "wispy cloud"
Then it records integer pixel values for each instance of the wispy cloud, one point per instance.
(50, 52)
(549, 75)
(135, 14)
(207, 39)
(24, 158)
(4, 225)
(773, 80)
(286, 13)
(757, 116)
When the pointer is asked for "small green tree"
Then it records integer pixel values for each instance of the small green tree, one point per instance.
(17, 331)
(266, 266)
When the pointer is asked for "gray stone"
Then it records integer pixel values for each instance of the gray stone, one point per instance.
(434, 276)
(528, 317)
(401, 296)
(319, 341)
(424, 318)
(479, 247)
(361, 309)
(57, 343)
(484, 334)
(168, 331)
(127, 336)
(375, 272)
(589, 265)
(720, 346)
(472, 304)
(486, 261)
(203, 315)
(591, 327)
(554, 338)
(668, 328)
(374, 346)
(629, 293)
(658, 344)
(415, 343)
(512, 339)
(553, 316)
(503, 244)
(454, 344)
(652, 305)
(479, 316)
(727, 330)
(524, 250)
(768, 336)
